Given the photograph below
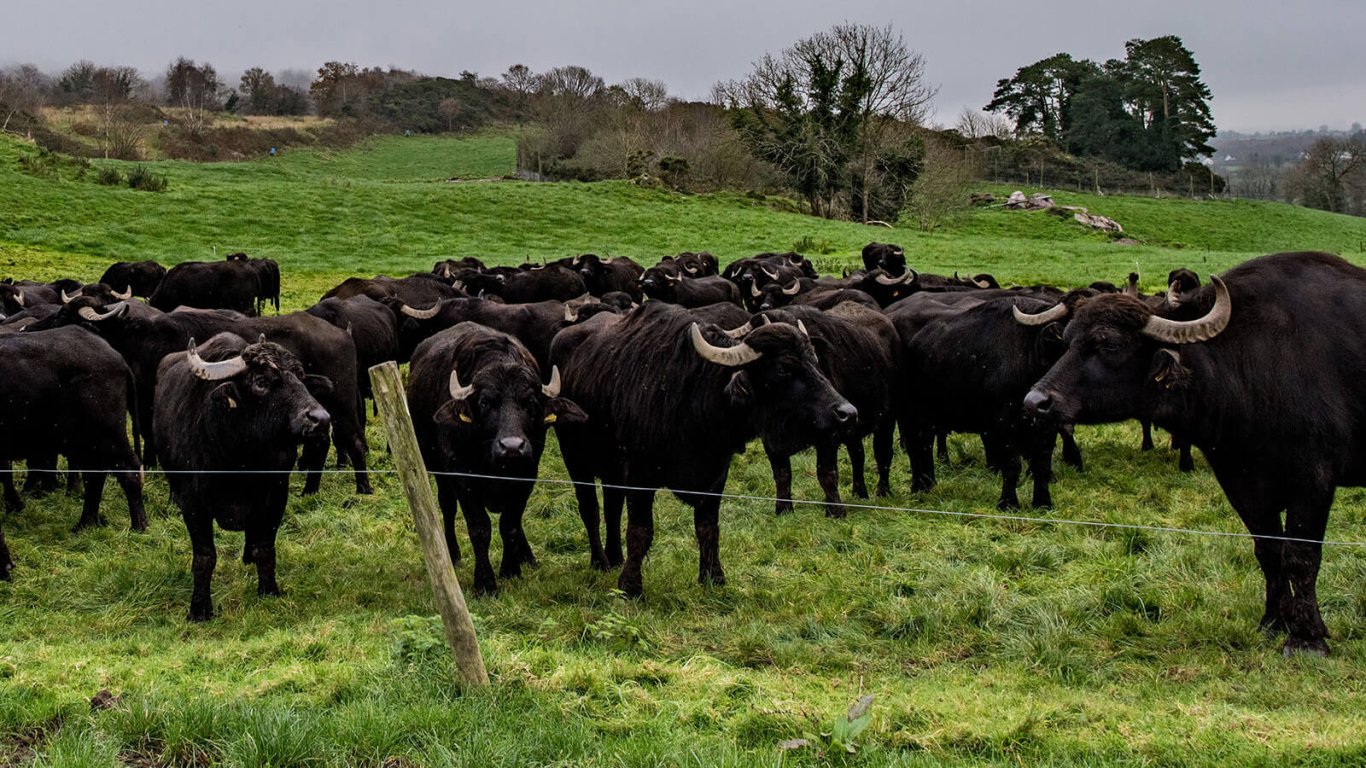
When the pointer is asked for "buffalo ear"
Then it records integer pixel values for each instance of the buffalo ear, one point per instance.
(739, 389)
(562, 410)
(454, 413)
(1050, 340)
(318, 386)
(225, 396)
(1167, 371)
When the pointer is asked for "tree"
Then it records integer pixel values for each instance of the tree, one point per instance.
(1332, 175)
(22, 89)
(193, 88)
(1039, 96)
(335, 88)
(78, 81)
(258, 90)
(573, 82)
(826, 112)
(646, 94)
(1164, 89)
(449, 108)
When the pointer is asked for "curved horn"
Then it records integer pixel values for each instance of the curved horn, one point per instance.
(553, 388)
(571, 314)
(736, 333)
(213, 371)
(730, 357)
(909, 277)
(1172, 299)
(754, 290)
(1056, 312)
(67, 299)
(794, 290)
(771, 275)
(421, 314)
(802, 327)
(126, 295)
(19, 297)
(1192, 331)
(981, 283)
(89, 313)
(690, 269)
(673, 278)
(459, 392)
(1131, 287)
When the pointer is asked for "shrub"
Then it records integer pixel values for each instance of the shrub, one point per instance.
(141, 177)
(109, 176)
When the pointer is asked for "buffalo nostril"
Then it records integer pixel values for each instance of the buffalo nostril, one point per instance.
(512, 447)
(846, 412)
(1038, 403)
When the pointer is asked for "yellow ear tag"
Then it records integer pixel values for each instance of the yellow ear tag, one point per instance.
(232, 403)
(551, 418)
(466, 419)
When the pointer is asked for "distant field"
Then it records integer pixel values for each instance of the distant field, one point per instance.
(983, 641)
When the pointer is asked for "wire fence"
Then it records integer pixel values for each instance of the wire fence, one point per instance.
(993, 516)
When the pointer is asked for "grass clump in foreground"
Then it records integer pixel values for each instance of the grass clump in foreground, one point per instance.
(981, 641)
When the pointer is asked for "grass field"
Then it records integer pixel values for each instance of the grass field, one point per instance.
(983, 641)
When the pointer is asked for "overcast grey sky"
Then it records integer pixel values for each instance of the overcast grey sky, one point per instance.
(1271, 65)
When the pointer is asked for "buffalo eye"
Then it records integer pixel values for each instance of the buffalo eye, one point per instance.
(260, 386)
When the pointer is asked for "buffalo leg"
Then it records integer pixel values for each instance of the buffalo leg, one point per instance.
(920, 446)
(857, 486)
(586, 493)
(1071, 453)
(1306, 518)
(42, 476)
(613, 499)
(448, 498)
(90, 507)
(128, 474)
(1008, 457)
(260, 550)
(1185, 462)
(1147, 444)
(640, 534)
(205, 559)
(481, 532)
(6, 564)
(1258, 510)
(782, 481)
(355, 444)
(13, 504)
(73, 481)
(1041, 465)
(311, 460)
(516, 549)
(882, 455)
(941, 442)
(706, 520)
(828, 475)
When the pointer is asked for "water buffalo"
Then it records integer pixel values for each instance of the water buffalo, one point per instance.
(142, 276)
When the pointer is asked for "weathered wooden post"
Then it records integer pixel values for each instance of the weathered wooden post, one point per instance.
(450, 601)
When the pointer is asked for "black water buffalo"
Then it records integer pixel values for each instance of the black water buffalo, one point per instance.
(479, 408)
(142, 276)
(663, 285)
(16, 297)
(66, 391)
(267, 273)
(1265, 372)
(419, 290)
(446, 268)
(372, 327)
(231, 285)
(534, 325)
(603, 276)
(857, 349)
(103, 295)
(668, 406)
(230, 417)
(887, 257)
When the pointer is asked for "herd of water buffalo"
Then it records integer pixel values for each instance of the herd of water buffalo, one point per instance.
(655, 377)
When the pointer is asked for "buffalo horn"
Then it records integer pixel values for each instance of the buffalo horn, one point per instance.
(1172, 299)
(674, 278)
(68, 298)
(19, 298)
(126, 295)
(421, 314)
(1192, 331)
(754, 290)
(736, 333)
(89, 313)
(981, 283)
(741, 354)
(794, 289)
(1056, 312)
(213, 371)
(909, 277)
(459, 392)
(771, 275)
(553, 388)
(571, 314)
(802, 327)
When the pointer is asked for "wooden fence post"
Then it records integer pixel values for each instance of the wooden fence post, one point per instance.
(450, 601)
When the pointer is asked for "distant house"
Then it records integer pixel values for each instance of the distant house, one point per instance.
(1230, 159)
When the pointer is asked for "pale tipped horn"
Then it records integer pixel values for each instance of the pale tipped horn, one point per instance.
(1192, 331)
(794, 290)
(553, 388)
(1056, 312)
(909, 277)
(802, 327)
(19, 298)
(89, 313)
(771, 275)
(213, 371)
(981, 283)
(736, 333)
(421, 314)
(68, 298)
(458, 391)
(1172, 299)
(741, 354)
(126, 295)
(754, 290)
(571, 314)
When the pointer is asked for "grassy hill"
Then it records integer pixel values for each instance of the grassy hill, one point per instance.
(983, 640)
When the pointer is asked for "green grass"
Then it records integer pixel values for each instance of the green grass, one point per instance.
(984, 642)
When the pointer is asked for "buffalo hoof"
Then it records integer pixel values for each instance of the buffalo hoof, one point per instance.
(883, 490)
(364, 489)
(485, 587)
(631, 588)
(1185, 465)
(200, 614)
(860, 491)
(615, 560)
(600, 564)
(274, 591)
(6, 568)
(1008, 505)
(138, 526)
(782, 507)
(83, 523)
(1310, 646)
(716, 578)
(835, 510)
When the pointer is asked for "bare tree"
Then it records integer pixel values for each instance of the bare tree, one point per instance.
(22, 89)
(941, 190)
(975, 124)
(449, 108)
(573, 82)
(195, 89)
(646, 94)
(1330, 173)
